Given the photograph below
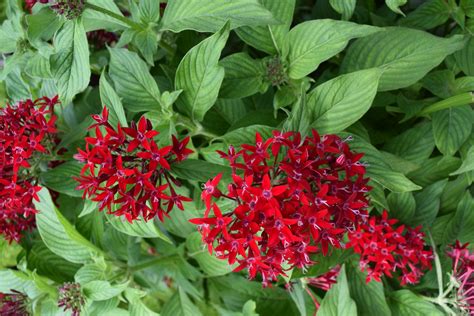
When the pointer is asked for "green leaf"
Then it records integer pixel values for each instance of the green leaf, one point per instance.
(405, 302)
(95, 20)
(300, 116)
(42, 25)
(198, 170)
(427, 204)
(369, 297)
(246, 135)
(434, 169)
(211, 15)
(244, 76)
(102, 290)
(402, 205)
(147, 43)
(340, 102)
(180, 305)
(211, 265)
(401, 53)
(428, 15)
(90, 272)
(60, 179)
(344, 7)
(467, 163)
(200, 76)
(337, 301)
(269, 38)
(9, 253)
(310, 43)
(59, 235)
(17, 88)
(464, 57)
(17, 280)
(459, 226)
(395, 5)
(112, 101)
(149, 10)
(70, 64)
(133, 82)
(8, 38)
(136, 306)
(451, 128)
(38, 66)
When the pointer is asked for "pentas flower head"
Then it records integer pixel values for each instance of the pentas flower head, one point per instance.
(127, 172)
(27, 135)
(293, 197)
(463, 277)
(326, 280)
(14, 304)
(386, 247)
(71, 298)
(70, 9)
(100, 39)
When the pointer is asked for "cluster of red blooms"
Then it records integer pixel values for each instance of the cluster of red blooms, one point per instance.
(293, 197)
(385, 248)
(126, 172)
(71, 298)
(463, 272)
(25, 130)
(326, 280)
(13, 304)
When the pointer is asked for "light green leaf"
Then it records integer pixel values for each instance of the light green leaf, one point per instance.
(8, 37)
(464, 57)
(211, 15)
(427, 204)
(198, 170)
(180, 305)
(136, 306)
(60, 179)
(200, 76)
(467, 164)
(147, 43)
(90, 272)
(337, 301)
(102, 290)
(19, 281)
(401, 53)
(211, 265)
(244, 76)
(310, 43)
(344, 7)
(38, 66)
(59, 235)
(95, 20)
(395, 5)
(149, 10)
(112, 101)
(428, 15)
(405, 302)
(269, 38)
(451, 128)
(133, 81)
(17, 88)
(340, 102)
(42, 25)
(70, 64)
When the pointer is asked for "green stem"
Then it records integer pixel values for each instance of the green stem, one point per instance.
(149, 263)
(114, 15)
(457, 100)
(439, 271)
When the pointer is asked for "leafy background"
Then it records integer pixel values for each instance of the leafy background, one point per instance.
(397, 75)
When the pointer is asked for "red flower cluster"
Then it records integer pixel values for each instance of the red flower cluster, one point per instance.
(126, 171)
(385, 249)
(101, 38)
(71, 298)
(14, 304)
(293, 197)
(326, 280)
(26, 132)
(463, 272)
(30, 3)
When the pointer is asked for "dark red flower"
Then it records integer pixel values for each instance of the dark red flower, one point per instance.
(26, 137)
(101, 38)
(126, 171)
(293, 198)
(30, 3)
(463, 274)
(71, 298)
(326, 280)
(385, 248)
(14, 304)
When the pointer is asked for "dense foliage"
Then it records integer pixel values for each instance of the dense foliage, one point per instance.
(244, 157)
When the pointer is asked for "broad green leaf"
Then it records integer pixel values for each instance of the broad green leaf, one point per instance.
(427, 204)
(459, 226)
(310, 43)
(180, 305)
(344, 7)
(434, 169)
(59, 235)
(42, 25)
(9, 253)
(401, 53)
(464, 57)
(402, 206)
(90, 272)
(60, 178)
(340, 102)
(112, 101)
(453, 193)
(139, 228)
(451, 128)
(133, 82)
(300, 116)
(19, 281)
(17, 88)
(369, 297)
(8, 37)
(269, 38)
(200, 76)
(244, 76)
(246, 135)
(467, 164)
(38, 66)
(337, 301)
(415, 144)
(198, 170)
(211, 265)
(102, 290)
(70, 64)
(395, 5)
(95, 20)
(107, 308)
(211, 15)
(147, 43)
(149, 10)
(441, 83)
(428, 15)
(136, 306)
(405, 302)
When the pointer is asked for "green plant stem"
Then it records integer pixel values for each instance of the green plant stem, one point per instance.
(457, 100)
(149, 263)
(114, 15)
(439, 270)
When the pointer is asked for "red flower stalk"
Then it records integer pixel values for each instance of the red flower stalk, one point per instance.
(385, 248)
(326, 280)
(127, 172)
(463, 273)
(293, 197)
(26, 135)
(71, 298)
(14, 304)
